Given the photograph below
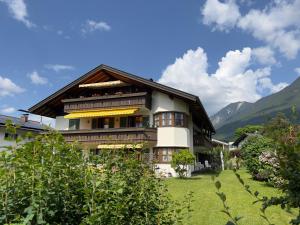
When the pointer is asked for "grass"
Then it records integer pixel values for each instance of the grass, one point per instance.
(206, 205)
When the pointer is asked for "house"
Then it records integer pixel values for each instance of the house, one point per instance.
(109, 108)
(240, 141)
(23, 125)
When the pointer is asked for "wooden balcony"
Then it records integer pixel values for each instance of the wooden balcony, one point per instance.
(112, 136)
(201, 140)
(137, 100)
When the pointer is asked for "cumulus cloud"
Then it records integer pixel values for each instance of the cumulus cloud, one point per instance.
(223, 15)
(9, 88)
(92, 25)
(8, 110)
(297, 70)
(278, 24)
(264, 55)
(18, 10)
(37, 79)
(233, 80)
(59, 67)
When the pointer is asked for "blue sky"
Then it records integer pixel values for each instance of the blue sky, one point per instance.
(223, 51)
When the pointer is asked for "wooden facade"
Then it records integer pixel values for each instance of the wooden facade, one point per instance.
(112, 136)
(142, 99)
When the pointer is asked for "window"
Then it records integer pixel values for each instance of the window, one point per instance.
(170, 119)
(138, 121)
(167, 155)
(10, 137)
(156, 120)
(109, 122)
(166, 118)
(123, 122)
(179, 119)
(146, 121)
(164, 155)
(74, 124)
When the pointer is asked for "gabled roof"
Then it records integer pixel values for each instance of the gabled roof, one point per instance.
(193, 99)
(29, 125)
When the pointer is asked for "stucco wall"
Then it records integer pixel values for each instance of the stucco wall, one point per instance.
(162, 102)
(85, 123)
(173, 137)
(61, 123)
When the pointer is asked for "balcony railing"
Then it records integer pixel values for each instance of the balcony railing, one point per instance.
(141, 99)
(201, 140)
(112, 136)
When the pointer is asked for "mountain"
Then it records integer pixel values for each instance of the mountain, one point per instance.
(220, 118)
(258, 112)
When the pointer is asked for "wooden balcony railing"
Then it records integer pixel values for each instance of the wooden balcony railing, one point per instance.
(112, 136)
(141, 99)
(201, 140)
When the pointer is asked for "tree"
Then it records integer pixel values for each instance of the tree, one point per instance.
(181, 161)
(251, 151)
(277, 128)
(247, 129)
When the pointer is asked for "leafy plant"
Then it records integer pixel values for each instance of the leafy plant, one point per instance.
(247, 129)
(181, 161)
(251, 151)
(48, 181)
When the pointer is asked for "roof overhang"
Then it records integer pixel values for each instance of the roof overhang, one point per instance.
(45, 109)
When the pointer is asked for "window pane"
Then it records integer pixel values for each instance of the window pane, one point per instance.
(123, 122)
(74, 124)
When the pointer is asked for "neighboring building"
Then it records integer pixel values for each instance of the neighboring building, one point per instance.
(239, 142)
(225, 147)
(109, 108)
(23, 126)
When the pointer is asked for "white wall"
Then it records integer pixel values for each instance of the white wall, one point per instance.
(85, 123)
(4, 143)
(61, 123)
(173, 137)
(162, 102)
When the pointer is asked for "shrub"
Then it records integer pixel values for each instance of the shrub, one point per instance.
(251, 151)
(47, 181)
(180, 162)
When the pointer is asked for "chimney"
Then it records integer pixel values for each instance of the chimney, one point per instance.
(24, 118)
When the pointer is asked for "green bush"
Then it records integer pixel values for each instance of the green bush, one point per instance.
(48, 181)
(180, 162)
(251, 151)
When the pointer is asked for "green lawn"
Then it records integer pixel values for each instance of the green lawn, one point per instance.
(206, 206)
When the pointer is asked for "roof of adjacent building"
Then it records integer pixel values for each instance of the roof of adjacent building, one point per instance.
(42, 109)
(243, 137)
(29, 125)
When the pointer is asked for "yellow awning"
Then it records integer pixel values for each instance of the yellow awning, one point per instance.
(120, 146)
(102, 113)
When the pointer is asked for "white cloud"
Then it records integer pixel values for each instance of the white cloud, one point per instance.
(297, 70)
(223, 15)
(91, 26)
(266, 83)
(264, 55)
(59, 67)
(278, 24)
(8, 110)
(18, 10)
(37, 79)
(233, 80)
(9, 88)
